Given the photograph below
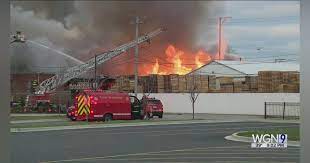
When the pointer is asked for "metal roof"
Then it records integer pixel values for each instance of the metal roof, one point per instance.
(251, 68)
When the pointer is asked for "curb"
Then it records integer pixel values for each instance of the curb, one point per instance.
(15, 130)
(236, 137)
(37, 121)
(275, 121)
(35, 114)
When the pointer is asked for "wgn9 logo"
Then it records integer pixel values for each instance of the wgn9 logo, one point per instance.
(269, 141)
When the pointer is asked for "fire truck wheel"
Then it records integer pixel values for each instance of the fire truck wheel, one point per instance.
(160, 116)
(108, 117)
(142, 117)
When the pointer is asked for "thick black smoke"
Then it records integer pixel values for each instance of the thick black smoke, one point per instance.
(82, 28)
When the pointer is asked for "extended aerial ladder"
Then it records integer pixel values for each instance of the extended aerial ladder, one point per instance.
(49, 85)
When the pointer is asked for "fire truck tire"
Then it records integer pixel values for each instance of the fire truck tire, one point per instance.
(108, 117)
(160, 116)
(142, 117)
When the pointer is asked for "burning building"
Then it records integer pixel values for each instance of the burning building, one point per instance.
(82, 30)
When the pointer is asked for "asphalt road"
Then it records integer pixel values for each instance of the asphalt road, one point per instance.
(163, 143)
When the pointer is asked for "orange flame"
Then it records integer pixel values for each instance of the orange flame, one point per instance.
(155, 69)
(201, 56)
(174, 57)
(197, 62)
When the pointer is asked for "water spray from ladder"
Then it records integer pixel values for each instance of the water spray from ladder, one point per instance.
(57, 51)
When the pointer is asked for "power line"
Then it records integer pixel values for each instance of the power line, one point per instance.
(217, 73)
(241, 63)
(148, 51)
(267, 56)
(256, 20)
(164, 62)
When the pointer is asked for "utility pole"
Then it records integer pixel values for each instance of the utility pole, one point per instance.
(38, 77)
(219, 37)
(95, 78)
(220, 23)
(137, 22)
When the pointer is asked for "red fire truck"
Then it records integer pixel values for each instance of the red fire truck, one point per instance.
(119, 102)
(99, 105)
(41, 102)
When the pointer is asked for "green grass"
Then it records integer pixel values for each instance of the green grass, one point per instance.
(18, 118)
(46, 124)
(292, 133)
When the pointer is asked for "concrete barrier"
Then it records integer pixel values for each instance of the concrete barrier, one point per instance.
(222, 103)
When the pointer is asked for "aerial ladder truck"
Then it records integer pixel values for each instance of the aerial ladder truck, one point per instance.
(49, 85)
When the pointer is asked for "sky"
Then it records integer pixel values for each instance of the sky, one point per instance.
(272, 26)
(79, 27)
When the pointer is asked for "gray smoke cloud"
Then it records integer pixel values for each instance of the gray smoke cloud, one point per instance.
(82, 28)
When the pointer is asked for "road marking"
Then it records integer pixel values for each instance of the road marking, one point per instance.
(248, 149)
(222, 153)
(133, 154)
(208, 157)
(255, 161)
(189, 130)
(155, 125)
(188, 133)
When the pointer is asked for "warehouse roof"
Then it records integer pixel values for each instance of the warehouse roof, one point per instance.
(246, 67)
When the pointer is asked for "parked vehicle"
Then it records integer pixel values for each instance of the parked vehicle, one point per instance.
(99, 105)
(105, 106)
(151, 107)
(71, 111)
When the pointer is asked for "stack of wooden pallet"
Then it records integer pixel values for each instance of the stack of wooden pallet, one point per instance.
(212, 83)
(204, 81)
(152, 82)
(227, 88)
(174, 79)
(182, 84)
(251, 83)
(226, 84)
(167, 84)
(288, 88)
(193, 83)
(143, 81)
(160, 84)
(278, 81)
(238, 85)
(294, 77)
(265, 81)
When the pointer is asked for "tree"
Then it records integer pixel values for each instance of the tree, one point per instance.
(193, 92)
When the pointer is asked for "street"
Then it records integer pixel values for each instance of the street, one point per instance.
(203, 142)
